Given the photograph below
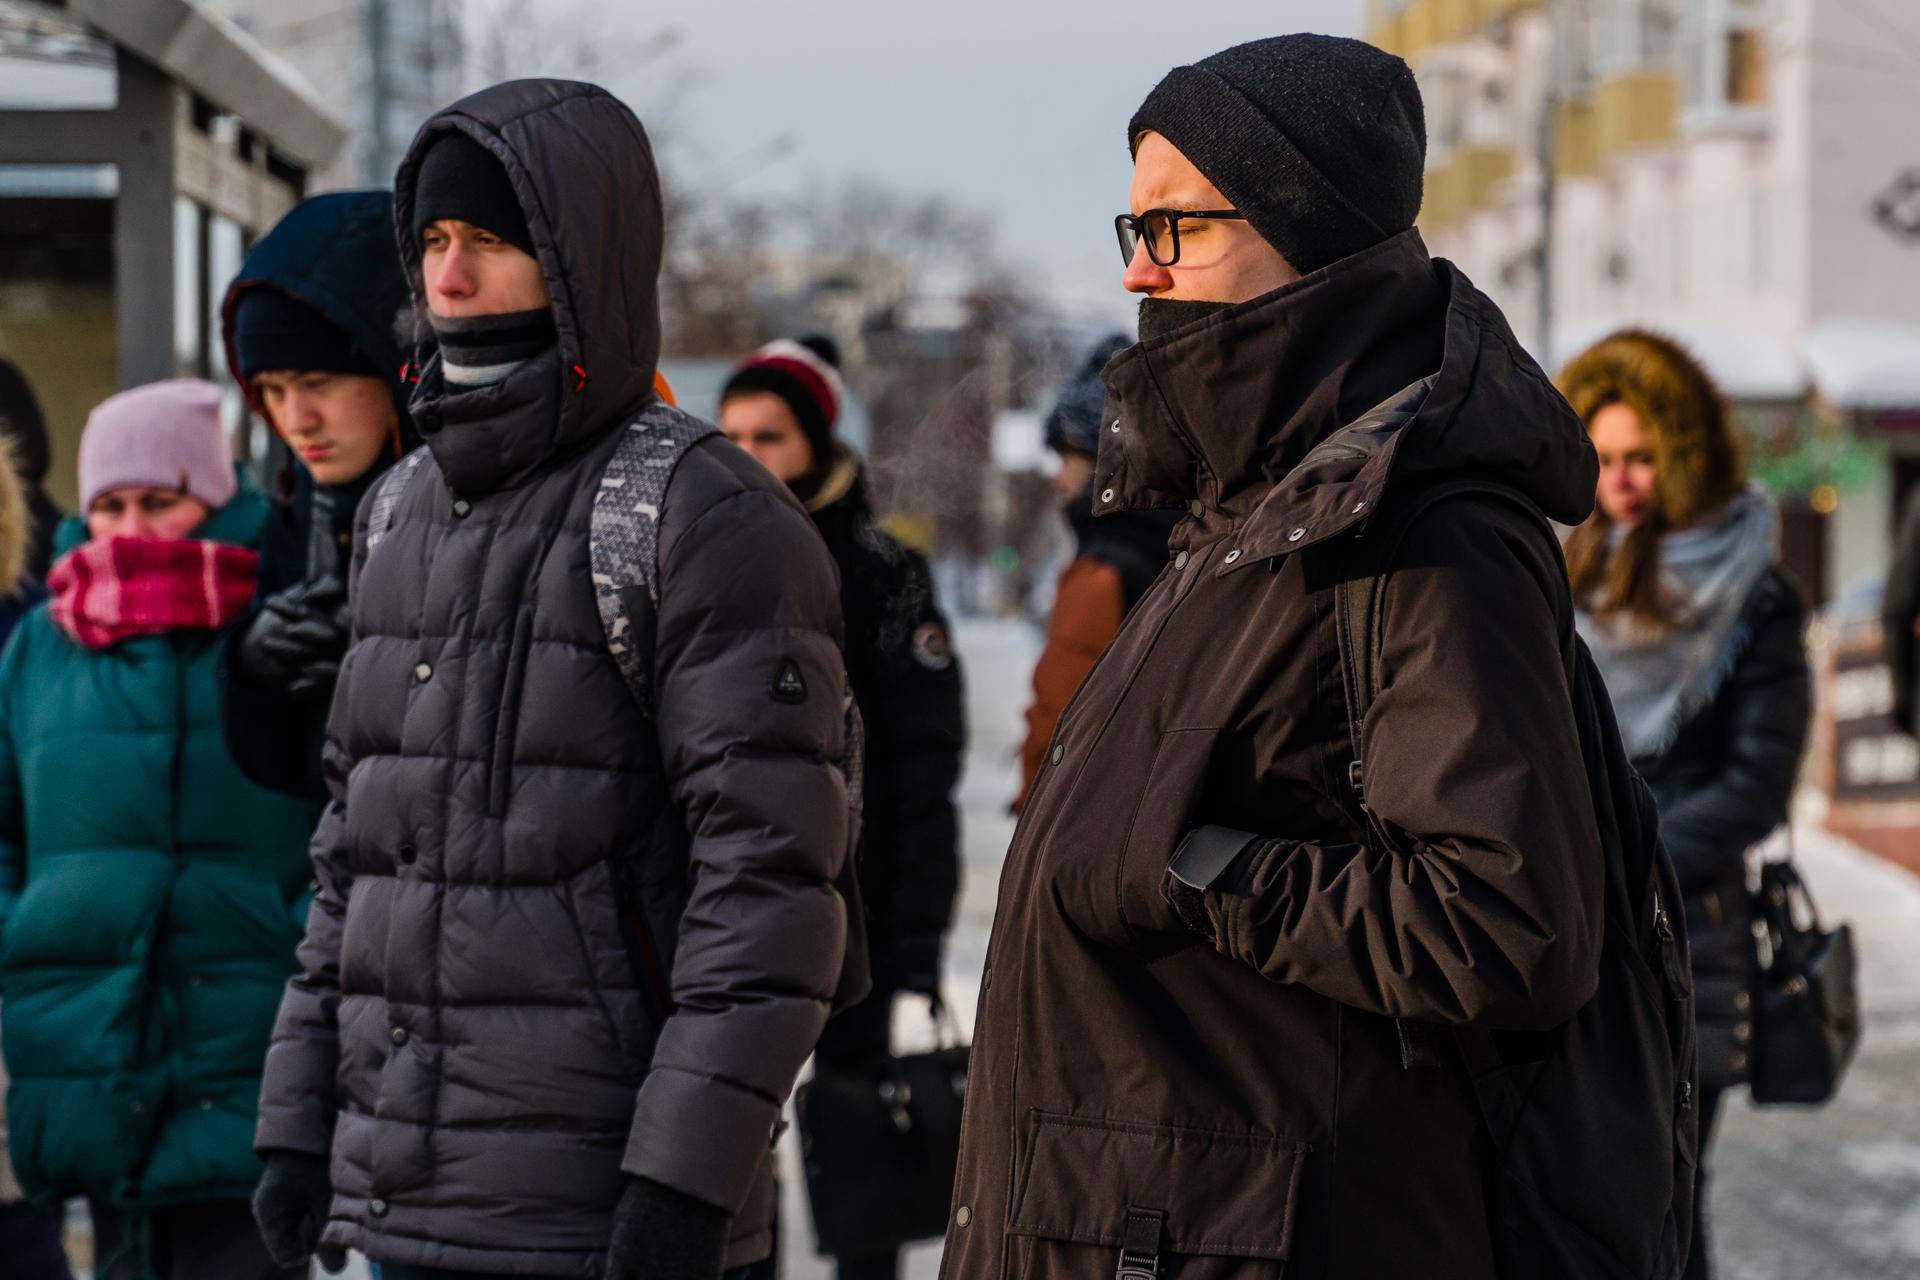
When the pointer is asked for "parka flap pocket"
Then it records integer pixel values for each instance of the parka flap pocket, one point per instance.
(1223, 1194)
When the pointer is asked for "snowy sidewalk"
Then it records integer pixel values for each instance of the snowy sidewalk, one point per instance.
(1835, 1191)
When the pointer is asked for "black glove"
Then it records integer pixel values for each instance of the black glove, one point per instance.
(297, 639)
(1209, 858)
(290, 1205)
(663, 1234)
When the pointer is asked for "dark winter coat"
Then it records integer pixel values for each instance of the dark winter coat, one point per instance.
(906, 680)
(1252, 1089)
(556, 941)
(1724, 785)
(23, 429)
(1900, 619)
(1115, 560)
(20, 589)
(150, 903)
(335, 253)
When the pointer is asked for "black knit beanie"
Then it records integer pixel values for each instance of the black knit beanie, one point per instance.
(276, 332)
(460, 179)
(1320, 141)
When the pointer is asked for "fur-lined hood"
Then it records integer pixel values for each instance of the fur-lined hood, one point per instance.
(1698, 457)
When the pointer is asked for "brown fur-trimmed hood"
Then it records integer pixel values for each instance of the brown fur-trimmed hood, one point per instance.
(1698, 457)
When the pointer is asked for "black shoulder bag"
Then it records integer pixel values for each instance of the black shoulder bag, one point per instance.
(1807, 1012)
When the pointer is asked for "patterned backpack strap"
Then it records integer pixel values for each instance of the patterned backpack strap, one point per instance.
(624, 542)
(387, 495)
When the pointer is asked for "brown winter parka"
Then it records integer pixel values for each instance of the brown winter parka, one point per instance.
(554, 939)
(1244, 1102)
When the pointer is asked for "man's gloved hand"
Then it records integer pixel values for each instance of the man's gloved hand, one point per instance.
(663, 1234)
(297, 639)
(290, 1205)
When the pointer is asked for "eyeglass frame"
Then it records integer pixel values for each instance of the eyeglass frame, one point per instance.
(1132, 227)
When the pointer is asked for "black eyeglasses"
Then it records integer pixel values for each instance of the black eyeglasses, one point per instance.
(1160, 228)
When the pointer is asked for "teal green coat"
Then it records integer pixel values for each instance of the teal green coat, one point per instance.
(150, 902)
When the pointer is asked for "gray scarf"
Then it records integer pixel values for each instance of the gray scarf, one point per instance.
(1660, 678)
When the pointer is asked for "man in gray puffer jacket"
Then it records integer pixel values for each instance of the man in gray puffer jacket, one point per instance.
(566, 955)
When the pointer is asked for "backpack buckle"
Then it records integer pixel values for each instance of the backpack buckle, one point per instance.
(1140, 1254)
(1356, 779)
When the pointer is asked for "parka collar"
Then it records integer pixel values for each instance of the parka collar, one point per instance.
(1290, 413)
(1221, 409)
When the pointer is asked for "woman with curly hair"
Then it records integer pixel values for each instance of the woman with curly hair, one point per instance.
(1700, 634)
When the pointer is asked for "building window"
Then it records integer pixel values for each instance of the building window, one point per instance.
(189, 276)
(1630, 35)
(1724, 56)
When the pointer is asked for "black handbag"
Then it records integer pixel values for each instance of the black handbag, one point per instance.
(880, 1144)
(1807, 1010)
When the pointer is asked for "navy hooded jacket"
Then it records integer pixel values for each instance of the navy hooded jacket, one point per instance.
(337, 254)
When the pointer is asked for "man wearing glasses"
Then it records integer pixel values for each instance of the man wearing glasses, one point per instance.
(1192, 1053)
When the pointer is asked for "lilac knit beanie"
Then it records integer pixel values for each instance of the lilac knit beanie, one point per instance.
(165, 434)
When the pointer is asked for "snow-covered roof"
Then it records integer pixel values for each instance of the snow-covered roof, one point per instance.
(1749, 364)
(1865, 362)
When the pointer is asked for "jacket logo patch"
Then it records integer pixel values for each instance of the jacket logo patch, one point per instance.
(931, 648)
(788, 684)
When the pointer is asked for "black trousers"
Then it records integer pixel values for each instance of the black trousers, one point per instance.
(30, 1244)
(216, 1241)
(1700, 1260)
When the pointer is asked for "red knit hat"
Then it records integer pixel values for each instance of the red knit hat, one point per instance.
(806, 375)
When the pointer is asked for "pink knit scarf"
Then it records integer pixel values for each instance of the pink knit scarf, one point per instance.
(113, 589)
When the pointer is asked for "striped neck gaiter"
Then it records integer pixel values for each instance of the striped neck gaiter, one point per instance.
(476, 351)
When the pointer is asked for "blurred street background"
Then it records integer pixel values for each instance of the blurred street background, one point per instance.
(934, 187)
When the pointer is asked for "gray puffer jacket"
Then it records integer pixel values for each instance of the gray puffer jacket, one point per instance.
(552, 939)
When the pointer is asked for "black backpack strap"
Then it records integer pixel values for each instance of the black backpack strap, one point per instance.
(387, 494)
(624, 538)
(1357, 627)
(623, 552)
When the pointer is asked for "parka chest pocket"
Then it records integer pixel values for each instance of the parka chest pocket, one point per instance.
(513, 687)
(1100, 1198)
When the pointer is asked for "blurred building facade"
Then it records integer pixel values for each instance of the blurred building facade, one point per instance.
(142, 149)
(383, 66)
(1742, 174)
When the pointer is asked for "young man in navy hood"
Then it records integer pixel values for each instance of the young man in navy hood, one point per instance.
(313, 326)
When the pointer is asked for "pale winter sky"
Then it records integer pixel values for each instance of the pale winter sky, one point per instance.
(1019, 106)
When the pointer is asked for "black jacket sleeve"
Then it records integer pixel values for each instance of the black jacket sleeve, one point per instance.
(1768, 702)
(916, 736)
(275, 740)
(1899, 611)
(750, 709)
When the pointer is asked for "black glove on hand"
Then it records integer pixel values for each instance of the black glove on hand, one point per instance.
(290, 1205)
(297, 639)
(662, 1234)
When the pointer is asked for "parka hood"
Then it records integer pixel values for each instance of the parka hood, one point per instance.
(583, 169)
(1292, 412)
(335, 253)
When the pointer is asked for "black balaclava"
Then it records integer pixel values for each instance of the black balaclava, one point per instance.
(462, 180)
(1160, 316)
